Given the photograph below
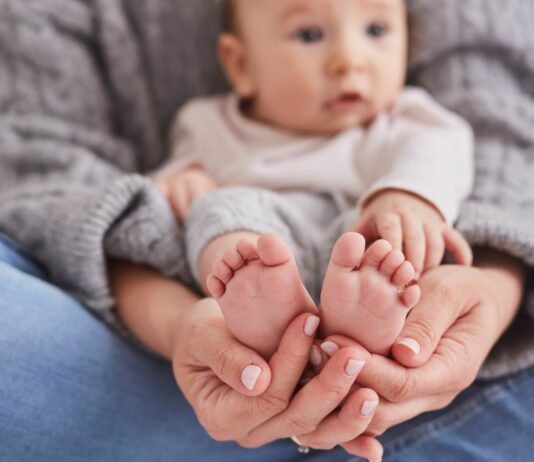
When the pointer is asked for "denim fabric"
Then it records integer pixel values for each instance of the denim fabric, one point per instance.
(71, 390)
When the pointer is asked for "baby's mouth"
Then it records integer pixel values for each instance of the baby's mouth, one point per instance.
(350, 97)
(345, 100)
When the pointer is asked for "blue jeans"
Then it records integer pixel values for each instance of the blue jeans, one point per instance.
(71, 390)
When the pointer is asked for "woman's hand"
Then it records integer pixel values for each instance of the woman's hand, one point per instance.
(447, 336)
(235, 393)
(209, 365)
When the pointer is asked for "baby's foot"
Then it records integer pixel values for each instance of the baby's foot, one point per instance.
(364, 295)
(260, 291)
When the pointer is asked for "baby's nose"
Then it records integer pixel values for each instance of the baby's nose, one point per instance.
(345, 60)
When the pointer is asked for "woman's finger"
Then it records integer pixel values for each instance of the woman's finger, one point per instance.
(366, 447)
(346, 424)
(388, 414)
(316, 400)
(291, 358)
(437, 310)
(233, 363)
(214, 360)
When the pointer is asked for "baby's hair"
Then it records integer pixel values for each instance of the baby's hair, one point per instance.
(229, 15)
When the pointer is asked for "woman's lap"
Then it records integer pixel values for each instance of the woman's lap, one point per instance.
(489, 421)
(70, 389)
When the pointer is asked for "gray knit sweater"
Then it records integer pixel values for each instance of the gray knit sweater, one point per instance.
(88, 89)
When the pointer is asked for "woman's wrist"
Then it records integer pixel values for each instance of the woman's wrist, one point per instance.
(504, 281)
(149, 304)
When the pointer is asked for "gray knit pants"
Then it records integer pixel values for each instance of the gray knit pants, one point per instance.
(309, 222)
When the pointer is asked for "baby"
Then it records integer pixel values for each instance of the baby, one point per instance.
(319, 105)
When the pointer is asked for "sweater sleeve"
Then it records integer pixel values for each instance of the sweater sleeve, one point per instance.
(479, 62)
(68, 189)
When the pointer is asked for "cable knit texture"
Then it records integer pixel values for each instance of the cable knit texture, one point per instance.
(88, 89)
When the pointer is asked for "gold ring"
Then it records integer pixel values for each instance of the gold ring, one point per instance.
(303, 449)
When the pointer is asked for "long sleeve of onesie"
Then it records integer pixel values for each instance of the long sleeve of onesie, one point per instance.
(422, 148)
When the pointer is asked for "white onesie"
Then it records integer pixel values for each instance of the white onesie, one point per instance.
(417, 146)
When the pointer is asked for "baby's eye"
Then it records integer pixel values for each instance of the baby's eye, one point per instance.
(376, 30)
(309, 35)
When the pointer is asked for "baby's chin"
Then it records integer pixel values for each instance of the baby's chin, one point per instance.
(331, 126)
(323, 124)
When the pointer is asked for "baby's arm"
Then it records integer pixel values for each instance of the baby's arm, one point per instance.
(182, 187)
(183, 177)
(413, 225)
(417, 183)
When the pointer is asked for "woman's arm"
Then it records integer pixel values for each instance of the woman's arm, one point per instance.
(67, 192)
(474, 66)
(149, 304)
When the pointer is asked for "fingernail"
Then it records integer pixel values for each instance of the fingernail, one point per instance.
(311, 324)
(249, 376)
(354, 366)
(410, 343)
(329, 347)
(368, 407)
(315, 356)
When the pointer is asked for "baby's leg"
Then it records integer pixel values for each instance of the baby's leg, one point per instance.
(364, 295)
(256, 282)
(260, 291)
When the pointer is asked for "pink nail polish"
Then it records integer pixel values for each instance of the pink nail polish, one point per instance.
(311, 324)
(315, 356)
(368, 407)
(354, 366)
(411, 344)
(329, 347)
(250, 375)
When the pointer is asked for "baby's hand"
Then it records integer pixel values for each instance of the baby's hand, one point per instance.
(183, 187)
(413, 226)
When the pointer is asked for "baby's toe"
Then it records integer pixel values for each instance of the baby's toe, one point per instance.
(272, 250)
(392, 263)
(222, 271)
(348, 251)
(234, 259)
(215, 286)
(247, 249)
(376, 253)
(410, 296)
(404, 274)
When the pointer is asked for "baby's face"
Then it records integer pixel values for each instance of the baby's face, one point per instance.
(321, 66)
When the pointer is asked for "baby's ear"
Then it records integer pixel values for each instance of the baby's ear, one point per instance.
(233, 59)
